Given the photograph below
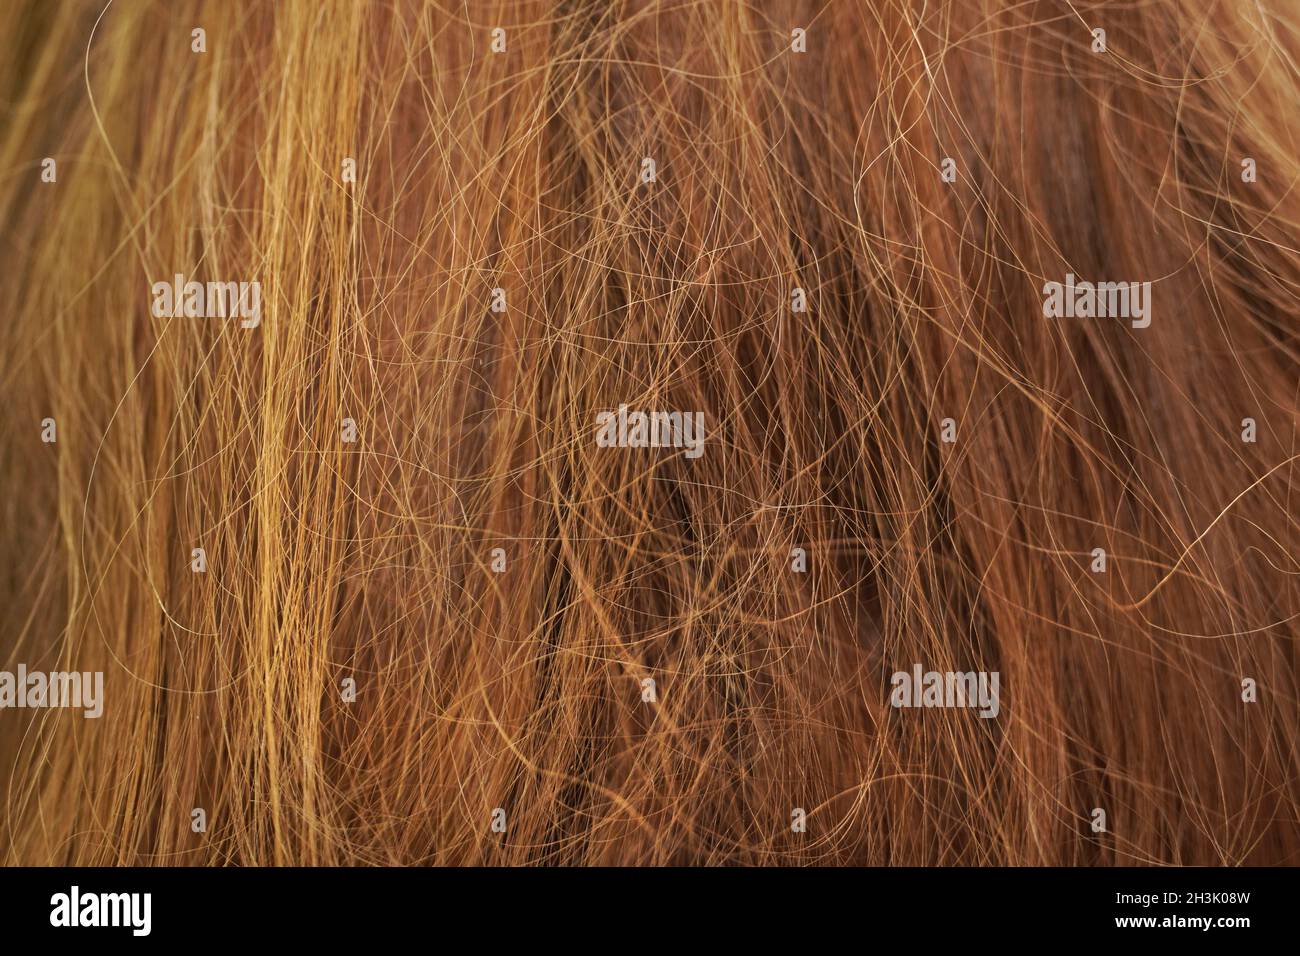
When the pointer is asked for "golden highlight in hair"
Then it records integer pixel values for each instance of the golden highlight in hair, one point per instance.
(649, 432)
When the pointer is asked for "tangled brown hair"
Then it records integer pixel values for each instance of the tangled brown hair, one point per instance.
(827, 226)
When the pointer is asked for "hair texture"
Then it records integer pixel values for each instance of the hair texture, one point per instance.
(517, 696)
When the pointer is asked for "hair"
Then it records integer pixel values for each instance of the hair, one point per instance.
(912, 471)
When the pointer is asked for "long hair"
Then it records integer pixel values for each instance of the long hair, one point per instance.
(342, 345)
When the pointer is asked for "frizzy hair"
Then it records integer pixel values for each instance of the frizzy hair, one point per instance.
(1161, 690)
